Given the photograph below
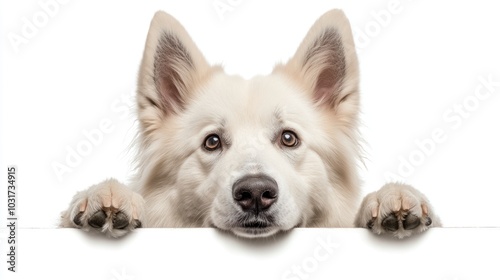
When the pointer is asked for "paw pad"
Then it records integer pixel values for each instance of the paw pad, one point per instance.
(97, 220)
(120, 220)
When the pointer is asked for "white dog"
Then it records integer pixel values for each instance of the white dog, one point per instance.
(254, 157)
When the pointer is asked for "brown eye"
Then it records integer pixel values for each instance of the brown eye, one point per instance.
(289, 139)
(212, 142)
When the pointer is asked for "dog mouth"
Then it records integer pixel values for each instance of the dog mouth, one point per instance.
(255, 227)
(252, 230)
(255, 224)
(248, 226)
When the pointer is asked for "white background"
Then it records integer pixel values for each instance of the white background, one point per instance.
(303, 254)
(79, 69)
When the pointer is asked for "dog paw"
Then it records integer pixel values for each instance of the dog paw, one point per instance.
(397, 209)
(109, 207)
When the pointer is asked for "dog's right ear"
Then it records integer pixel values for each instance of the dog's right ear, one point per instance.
(171, 68)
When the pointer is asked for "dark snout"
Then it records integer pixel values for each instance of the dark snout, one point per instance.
(255, 193)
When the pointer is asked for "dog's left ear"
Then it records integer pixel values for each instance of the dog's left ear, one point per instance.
(326, 61)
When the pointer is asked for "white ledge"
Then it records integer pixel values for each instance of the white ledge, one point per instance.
(442, 253)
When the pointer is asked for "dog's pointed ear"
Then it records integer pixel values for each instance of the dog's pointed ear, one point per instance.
(326, 61)
(171, 68)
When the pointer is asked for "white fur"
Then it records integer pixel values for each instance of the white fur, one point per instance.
(181, 100)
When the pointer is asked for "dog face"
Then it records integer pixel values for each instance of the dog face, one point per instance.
(251, 156)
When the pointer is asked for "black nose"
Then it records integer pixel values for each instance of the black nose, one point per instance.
(255, 193)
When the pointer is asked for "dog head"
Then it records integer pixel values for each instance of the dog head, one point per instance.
(253, 156)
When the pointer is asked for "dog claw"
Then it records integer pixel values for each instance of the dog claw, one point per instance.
(78, 219)
(138, 223)
(370, 223)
